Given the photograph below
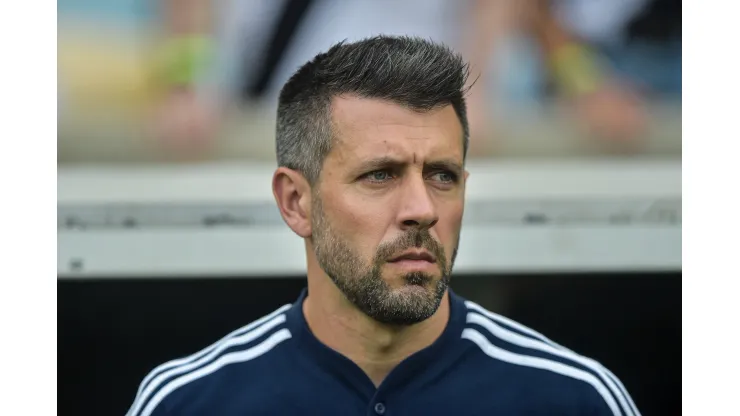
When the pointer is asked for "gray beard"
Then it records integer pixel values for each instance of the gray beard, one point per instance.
(363, 285)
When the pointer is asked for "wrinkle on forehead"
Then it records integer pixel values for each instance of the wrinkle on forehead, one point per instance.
(374, 126)
(355, 112)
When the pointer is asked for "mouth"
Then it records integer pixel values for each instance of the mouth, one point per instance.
(412, 256)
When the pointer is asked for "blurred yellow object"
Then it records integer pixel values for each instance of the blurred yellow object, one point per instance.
(575, 69)
(183, 59)
(105, 69)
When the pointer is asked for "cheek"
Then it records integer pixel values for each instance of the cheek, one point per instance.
(361, 224)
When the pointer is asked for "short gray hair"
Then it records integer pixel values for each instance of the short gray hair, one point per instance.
(415, 73)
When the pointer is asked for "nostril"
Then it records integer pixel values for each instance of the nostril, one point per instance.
(414, 223)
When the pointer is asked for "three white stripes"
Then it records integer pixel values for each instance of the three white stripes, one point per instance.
(537, 335)
(231, 358)
(175, 363)
(541, 343)
(171, 369)
(180, 372)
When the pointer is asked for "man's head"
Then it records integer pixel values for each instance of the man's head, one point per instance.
(371, 144)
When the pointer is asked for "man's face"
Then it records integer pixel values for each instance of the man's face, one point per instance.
(387, 211)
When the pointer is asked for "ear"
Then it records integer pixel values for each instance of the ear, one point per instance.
(292, 193)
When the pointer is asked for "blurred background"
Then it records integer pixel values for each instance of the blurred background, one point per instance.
(168, 237)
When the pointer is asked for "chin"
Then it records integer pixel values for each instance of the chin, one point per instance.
(414, 291)
(413, 281)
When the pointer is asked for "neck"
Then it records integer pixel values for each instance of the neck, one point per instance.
(375, 347)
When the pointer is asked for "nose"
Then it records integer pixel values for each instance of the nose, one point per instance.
(417, 206)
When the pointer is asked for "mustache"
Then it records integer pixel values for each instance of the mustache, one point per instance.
(415, 238)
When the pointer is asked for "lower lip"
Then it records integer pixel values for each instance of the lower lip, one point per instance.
(408, 264)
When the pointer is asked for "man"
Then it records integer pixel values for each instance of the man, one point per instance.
(371, 143)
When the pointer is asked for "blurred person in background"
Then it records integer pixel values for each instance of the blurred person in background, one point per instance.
(609, 57)
(186, 62)
(186, 114)
(371, 142)
(132, 65)
(603, 58)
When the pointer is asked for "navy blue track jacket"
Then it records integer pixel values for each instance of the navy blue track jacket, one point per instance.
(482, 364)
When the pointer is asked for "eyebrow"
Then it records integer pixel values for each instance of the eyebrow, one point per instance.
(389, 162)
(445, 164)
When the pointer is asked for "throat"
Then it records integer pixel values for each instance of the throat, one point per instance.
(374, 347)
(377, 371)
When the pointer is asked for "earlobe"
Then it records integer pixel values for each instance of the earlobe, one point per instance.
(292, 194)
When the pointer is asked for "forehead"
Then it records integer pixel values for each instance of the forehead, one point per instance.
(368, 127)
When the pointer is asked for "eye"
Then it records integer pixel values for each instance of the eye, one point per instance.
(445, 177)
(379, 176)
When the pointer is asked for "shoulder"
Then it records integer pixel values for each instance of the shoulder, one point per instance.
(553, 370)
(175, 383)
